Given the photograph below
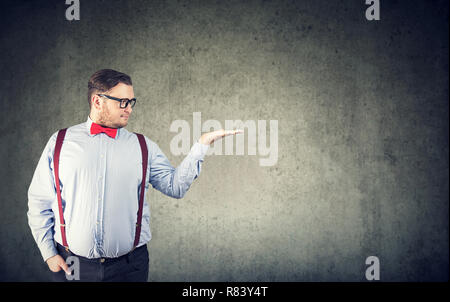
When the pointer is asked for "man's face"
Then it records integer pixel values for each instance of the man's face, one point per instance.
(110, 113)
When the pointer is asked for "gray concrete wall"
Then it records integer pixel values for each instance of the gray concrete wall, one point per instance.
(362, 110)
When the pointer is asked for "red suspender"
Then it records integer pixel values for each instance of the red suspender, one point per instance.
(59, 141)
(144, 152)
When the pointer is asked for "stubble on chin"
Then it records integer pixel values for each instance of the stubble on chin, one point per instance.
(105, 120)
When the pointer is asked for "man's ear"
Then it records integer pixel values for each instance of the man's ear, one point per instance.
(96, 102)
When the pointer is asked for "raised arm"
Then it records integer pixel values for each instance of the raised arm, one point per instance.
(175, 182)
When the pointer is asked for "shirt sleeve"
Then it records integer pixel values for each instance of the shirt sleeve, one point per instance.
(41, 195)
(175, 182)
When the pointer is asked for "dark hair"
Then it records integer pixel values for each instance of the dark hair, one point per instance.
(105, 79)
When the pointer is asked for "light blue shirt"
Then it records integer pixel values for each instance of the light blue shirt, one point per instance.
(100, 181)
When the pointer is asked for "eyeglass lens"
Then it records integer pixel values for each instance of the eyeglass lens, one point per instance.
(124, 103)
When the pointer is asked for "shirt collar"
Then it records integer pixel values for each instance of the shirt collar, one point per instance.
(88, 127)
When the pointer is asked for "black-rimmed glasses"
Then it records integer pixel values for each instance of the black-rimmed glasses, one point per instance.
(123, 102)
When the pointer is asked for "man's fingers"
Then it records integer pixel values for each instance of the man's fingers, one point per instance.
(232, 132)
(237, 131)
(210, 137)
(55, 269)
(64, 266)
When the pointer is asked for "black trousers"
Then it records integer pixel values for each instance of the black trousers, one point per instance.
(132, 267)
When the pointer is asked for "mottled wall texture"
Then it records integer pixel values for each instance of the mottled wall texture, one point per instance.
(362, 111)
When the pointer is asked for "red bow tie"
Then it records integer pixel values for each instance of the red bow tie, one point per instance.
(96, 128)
